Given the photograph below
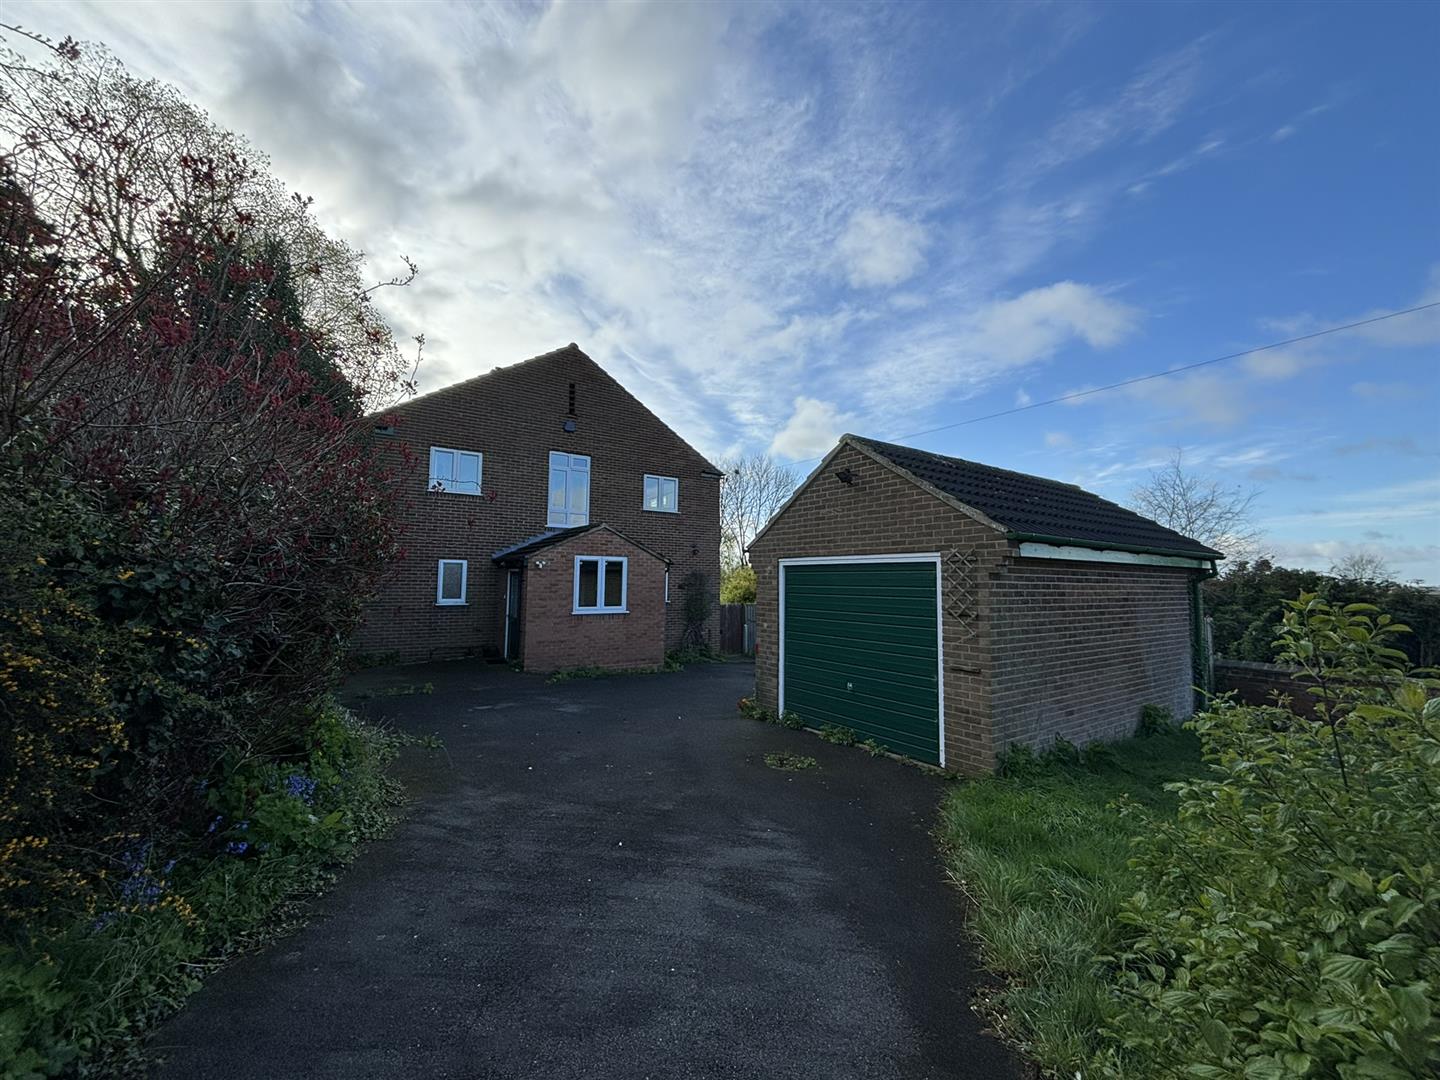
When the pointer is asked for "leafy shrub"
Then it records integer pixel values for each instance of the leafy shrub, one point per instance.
(839, 735)
(737, 585)
(1155, 720)
(81, 990)
(1288, 923)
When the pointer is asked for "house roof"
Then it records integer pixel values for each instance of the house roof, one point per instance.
(526, 548)
(571, 351)
(1032, 507)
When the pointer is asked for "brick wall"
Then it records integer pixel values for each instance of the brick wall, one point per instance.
(1257, 684)
(1033, 649)
(883, 513)
(1080, 647)
(514, 416)
(554, 637)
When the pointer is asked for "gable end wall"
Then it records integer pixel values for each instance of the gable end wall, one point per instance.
(515, 417)
(883, 513)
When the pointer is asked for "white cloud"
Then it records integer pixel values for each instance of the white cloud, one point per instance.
(880, 249)
(965, 351)
(813, 428)
(1022, 398)
(1058, 439)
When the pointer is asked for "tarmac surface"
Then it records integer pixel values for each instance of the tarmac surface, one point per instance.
(602, 878)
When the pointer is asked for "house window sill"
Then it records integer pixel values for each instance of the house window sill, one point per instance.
(599, 611)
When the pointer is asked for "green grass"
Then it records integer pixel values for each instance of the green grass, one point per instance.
(1042, 856)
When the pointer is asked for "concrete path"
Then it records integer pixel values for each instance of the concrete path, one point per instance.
(602, 878)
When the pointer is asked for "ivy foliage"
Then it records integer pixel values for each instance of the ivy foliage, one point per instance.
(1289, 919)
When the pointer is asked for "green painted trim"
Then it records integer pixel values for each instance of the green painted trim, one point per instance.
(1100, 545)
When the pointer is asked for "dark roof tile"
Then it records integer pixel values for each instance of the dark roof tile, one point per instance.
(1034, 505)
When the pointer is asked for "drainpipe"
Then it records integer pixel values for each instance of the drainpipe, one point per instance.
(1199, 661)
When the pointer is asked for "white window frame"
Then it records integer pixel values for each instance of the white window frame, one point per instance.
(601, 608)
(657, 508)
(569, 517)
(441, 600)
(438, 485)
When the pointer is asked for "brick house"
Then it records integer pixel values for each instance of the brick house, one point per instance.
(552, 519)
(949, 609)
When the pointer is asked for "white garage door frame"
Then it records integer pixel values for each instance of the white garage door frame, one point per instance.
(922, 556)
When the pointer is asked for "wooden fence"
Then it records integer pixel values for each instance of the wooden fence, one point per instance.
(737, 628)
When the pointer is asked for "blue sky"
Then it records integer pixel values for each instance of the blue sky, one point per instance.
(776, 223)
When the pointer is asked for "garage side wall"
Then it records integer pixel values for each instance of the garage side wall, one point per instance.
(882, 513)
(1081, 647)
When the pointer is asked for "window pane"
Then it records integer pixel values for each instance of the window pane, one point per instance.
(589, 572)
(467, 474)
(667, 494)
(614, 584)
(652, 497)
(442, 466)
(579, 498)
(559, 460)
(452, 577)
(557, 490)
(579, 461)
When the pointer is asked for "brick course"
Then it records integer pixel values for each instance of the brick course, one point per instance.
(514, 416)
(1034, 650)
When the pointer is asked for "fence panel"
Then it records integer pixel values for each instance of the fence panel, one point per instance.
(737, 628)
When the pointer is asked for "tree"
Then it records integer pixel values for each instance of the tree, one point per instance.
(1361, 566)
(191, 509)
(737, 585)
(754, 488)
(1203, 509)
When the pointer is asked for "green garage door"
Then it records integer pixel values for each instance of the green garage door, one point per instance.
(861, 650)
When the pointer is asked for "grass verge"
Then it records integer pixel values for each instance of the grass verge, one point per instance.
(1043, 857)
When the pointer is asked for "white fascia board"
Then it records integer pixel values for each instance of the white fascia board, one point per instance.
(1032, 550)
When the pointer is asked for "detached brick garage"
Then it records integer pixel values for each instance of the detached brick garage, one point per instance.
(949, 609)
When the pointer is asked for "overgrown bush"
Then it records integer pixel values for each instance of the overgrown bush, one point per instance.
(73, 997)
(190, 519)
(1288, 924)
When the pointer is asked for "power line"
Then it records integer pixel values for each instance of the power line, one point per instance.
(1161, 374)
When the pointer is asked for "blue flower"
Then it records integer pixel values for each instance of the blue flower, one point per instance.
(216, 823)
(237, 847)
(301, 787)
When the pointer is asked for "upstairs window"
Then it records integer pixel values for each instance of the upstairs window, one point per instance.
(450, 582)
(456, 471)
(662, 493)
(600, 585)
(569, 490)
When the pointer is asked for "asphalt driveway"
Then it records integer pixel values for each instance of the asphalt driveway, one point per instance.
(602, 878)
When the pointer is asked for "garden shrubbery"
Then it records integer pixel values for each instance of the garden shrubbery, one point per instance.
(190, 518)
(1288, 923)
(1272, 911)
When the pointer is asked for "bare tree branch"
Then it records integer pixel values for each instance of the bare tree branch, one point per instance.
(1201, 508)
(753, 489)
